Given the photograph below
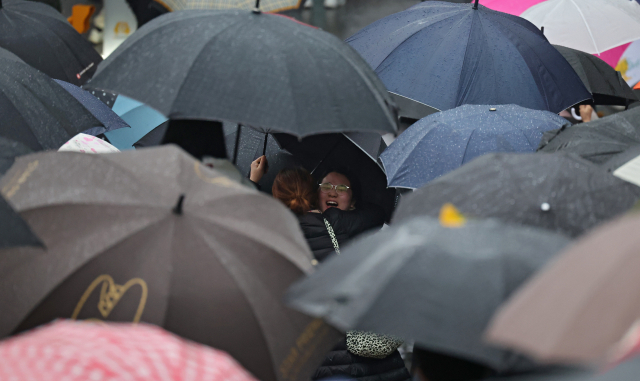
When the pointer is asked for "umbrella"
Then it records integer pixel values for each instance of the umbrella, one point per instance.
(5, 54)
(436, 285)
(41, 37)
(14, 231)
(139, 116)
(591, 26)
(109, 119)
(265, 5)
(618, 160)
(509, 6)
(357, 151)
(155, 236)
(624, 372)
(605, 84)
(446, 55)
(9, 150)
(599, 140)
(36, 112)
(87, 144)
(67, 350)
(443, 142)
(577, 309)
(270, 73)
(104, 96)
(559, 192)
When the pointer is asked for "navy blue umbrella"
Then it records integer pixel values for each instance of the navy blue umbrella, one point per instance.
(446, 55)
(442, 142)
(110, 120)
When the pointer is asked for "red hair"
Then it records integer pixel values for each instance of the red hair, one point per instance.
(297, 189)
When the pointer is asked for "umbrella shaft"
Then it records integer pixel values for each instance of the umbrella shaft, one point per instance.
(235, 150)
(475, 6)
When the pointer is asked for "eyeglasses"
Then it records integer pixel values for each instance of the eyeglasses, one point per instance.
(340, 189)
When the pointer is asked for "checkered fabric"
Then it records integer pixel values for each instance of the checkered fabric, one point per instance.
(80, 351)
(265, 5)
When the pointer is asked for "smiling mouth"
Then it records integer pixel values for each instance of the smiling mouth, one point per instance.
(332, 204)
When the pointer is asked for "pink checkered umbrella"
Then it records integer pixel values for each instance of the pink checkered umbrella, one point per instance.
(80, 351)
(510, 6)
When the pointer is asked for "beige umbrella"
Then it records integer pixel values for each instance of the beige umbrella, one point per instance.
(580, 307)
(265, 5)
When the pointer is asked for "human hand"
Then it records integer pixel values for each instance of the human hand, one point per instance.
(585, 113)
(259, 167)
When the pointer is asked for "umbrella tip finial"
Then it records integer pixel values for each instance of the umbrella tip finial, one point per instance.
(475, 6)
(178, 208)
(257, 10)
(541, 28)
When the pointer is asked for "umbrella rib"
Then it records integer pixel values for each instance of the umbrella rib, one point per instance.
(595, 45)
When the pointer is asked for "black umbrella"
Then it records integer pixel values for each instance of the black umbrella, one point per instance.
(596, 141)
(14, 231)
(616, 161)
(605, 84)
(9, 150)
(436, 285)
(5, 54)
(35, 111)
(155, 236)
(558, 192)
(41, 37)
(270, 73)
(357, 151)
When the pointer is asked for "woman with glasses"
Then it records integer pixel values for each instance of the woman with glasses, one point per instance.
(329, 213)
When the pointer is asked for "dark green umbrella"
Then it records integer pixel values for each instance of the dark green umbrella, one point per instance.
(438, 286)
(559, 192)
(155, 236)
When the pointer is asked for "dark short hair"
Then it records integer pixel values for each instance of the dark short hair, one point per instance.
(356, 190)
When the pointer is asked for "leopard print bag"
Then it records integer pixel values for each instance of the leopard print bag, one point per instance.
(369, 344)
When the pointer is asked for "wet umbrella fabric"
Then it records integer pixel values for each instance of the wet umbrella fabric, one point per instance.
(592, 26)
(584, 303)
(14, 231)
(268, 69)
(421, 281)
(170, 242)
(605, 84)
(74, 351)
(446, 55)
(357, 152)
(599, 140)
(109, 119)
(558, 192)
(9, 150)
(139, 116)
(265, 5)
(35, 111)
(41, 37)
(5, 54)
(442, 142)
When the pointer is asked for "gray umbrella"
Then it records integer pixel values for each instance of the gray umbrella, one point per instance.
(560, 192)
(599, 140)
(439, 286)
(627, 371)
(14, 231)
(259, 70)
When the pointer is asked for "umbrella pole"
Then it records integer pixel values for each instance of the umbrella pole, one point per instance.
(475, 6)
(235, 150)
(264, 147)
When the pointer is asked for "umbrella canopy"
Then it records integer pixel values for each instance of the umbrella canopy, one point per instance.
(509, 6)
(77, 351)
(358, 152)
(618, 160)
(446, 55)
(442, 142)
(559, 192)
(41, 37)
(87, 144)
(592, 26)
(139, 116)
(35, 111)
(599, 140)
(169, 242)
(9, 150)
(623, 372)
(438, 286)
(14, 231)
(109, 119)
(270, 73)
(605, 84)
(265, 5)
(577, 309)
(5, 54)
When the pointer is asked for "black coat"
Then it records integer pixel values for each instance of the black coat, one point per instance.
(346, 225)
(341, 362)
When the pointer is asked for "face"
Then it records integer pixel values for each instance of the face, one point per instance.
(333, 199)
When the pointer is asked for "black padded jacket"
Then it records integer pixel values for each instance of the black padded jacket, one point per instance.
(346, 225)
(341, 362)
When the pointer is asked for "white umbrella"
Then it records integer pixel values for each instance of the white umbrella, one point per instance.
(592, 26)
